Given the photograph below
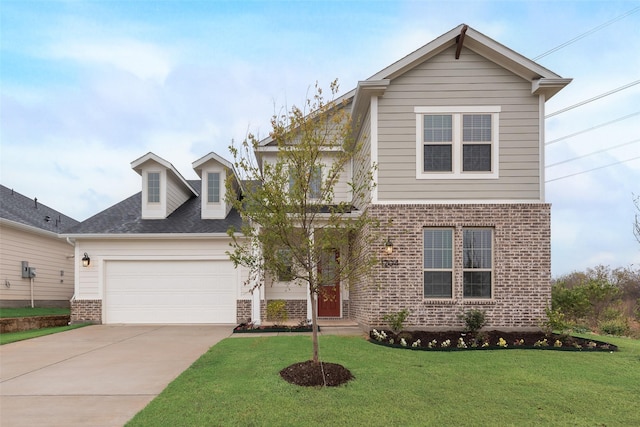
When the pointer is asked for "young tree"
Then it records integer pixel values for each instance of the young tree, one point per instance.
(636, 224)
(294, 225)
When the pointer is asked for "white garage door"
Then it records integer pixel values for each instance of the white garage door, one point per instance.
(170, 292)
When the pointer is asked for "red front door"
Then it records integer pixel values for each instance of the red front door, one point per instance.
(329, 294)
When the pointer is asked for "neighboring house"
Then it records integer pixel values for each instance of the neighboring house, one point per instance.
(36, 264)
(456, 131)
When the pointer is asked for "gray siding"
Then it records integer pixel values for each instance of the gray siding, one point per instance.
(470, 81)
(362, 161)
(51, 256)
(177, 194)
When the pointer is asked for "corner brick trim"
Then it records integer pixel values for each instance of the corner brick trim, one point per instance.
(86, 310)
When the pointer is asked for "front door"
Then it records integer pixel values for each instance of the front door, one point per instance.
(329, 293)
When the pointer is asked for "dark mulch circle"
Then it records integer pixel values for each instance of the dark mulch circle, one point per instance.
(310, 374)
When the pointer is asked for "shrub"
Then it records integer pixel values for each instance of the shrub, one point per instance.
(618, 327)
(396, 320)
(277, 311)
(555, 321)
(474, 320)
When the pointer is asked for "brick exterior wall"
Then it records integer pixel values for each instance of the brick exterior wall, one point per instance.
(521, 266)
(243, 310)
(86, 310)
(296, 309)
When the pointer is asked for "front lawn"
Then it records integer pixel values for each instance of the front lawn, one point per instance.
(10, 337)
(30, 312)
(237, 383)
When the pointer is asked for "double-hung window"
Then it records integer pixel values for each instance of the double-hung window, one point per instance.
(314, 183)
(477, 259)
(153, 187)
(213, 187)
(438, 262)
(457, 142)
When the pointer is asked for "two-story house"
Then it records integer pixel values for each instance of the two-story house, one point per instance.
(456, 131)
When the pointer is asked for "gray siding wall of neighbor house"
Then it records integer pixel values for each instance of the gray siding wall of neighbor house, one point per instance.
(470, 81)
(521, 286)
(53, 260)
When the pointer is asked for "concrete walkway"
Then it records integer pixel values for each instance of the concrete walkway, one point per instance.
(98, 375)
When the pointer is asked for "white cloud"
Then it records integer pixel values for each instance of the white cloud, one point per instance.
(147, 61)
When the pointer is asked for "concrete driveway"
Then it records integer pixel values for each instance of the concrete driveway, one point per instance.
(97, 375)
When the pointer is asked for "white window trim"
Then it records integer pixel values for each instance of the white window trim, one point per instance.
(450, 270)
(457, 113)
(219, 188)
(148, 193)
(492, 270)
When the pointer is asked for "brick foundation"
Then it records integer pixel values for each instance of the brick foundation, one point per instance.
(521, 266)
(86, 311)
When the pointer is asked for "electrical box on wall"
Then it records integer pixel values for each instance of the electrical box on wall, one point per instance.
(28, 272)
(25, 269)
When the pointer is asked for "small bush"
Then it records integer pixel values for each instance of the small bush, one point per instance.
(618, 327)
(396, 320)
(474, 320)
(277, 311)
(555, 321)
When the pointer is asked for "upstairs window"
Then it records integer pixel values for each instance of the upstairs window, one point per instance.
(153, 187)
(314, 189)
(213, 187)
(457, 142)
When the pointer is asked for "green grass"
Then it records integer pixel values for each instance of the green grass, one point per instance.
(30, 312)
(236, 383)
(34, 333)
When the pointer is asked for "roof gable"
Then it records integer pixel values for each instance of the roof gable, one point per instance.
(138, 166)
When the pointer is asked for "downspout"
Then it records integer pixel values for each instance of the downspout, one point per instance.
(31, 280)
(73, 297)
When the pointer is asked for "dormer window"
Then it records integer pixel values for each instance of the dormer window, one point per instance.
(153, 187)
(213, 187)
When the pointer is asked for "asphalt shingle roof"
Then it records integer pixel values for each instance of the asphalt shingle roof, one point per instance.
(21, 209)
(125, 217)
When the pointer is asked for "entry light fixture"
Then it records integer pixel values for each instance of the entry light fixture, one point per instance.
(86, 260)
(388, 246)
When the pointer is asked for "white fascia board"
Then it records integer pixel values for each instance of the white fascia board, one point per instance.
(548, 86)
(30, 228)
(459, 202)
(150, 236)
(211, 156)
(272, 149)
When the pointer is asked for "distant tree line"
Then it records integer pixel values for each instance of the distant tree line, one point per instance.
(600, 299)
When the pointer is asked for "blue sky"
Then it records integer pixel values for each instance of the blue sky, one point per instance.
(86, 87)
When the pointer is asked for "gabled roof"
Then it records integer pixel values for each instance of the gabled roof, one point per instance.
(22, 210)
(197, 165)
(125, 218)
(543, 81)
(136, 165)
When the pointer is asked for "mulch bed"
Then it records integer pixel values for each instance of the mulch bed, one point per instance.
(244, 328)
(486, 340)
(322, 374)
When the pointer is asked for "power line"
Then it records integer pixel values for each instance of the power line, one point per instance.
(594, 169)
(591, 154)
(583, 35)
(595, 98)
(592, 128)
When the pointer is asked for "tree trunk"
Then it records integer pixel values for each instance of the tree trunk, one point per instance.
(314, 325)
